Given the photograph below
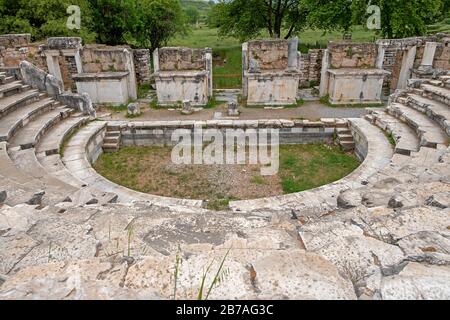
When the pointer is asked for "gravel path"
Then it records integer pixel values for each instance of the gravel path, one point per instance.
(311, 110)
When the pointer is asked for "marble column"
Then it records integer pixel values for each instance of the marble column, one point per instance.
(407, 64)
(323, 89)
(428, 56)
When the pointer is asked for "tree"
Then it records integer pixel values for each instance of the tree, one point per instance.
(114, 20)
(44, 18)
(157, 22)
(329, 15)
(399, 18)
(192, 14)
(246, 19)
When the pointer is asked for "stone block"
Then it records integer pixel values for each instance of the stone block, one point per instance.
(186, 107)
(233, 109)
(133, 109)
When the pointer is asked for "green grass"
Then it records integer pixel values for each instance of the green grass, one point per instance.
(304, 167)
(442, 26)
(143, 90)
(390, 138)
(149, 170)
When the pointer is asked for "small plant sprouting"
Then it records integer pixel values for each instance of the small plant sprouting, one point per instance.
(218, 278)
(50, 251)
(178, 262)
(130, 231)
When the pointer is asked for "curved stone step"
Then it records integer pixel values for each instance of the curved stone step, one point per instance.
(54, 166)
(4, 78)
(15, 120)
(30, 134)
(26, 161)
(437, 111)
(405, 138)
(77, 161)
(429, 132)
(52, 141)
(437, 93)
(11, 88)
(9, 170)
(11, 103)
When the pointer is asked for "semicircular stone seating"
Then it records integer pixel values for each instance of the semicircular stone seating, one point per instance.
(382, 232)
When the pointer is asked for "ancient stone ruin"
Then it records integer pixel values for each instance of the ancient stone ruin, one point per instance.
(183, 74)
(270, 72)
(382, 232)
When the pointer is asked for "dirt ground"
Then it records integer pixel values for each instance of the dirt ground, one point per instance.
(311, 110)
(151, 170)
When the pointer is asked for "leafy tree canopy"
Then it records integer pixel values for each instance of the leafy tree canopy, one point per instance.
(399, 18)
(44, 18)
(247, 19)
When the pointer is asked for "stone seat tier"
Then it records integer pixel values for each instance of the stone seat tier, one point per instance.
(15, 120)
(10, 87)
(52, 141)
(445, 81)
(30, 134)
(9, 104)
(436, 110)
(54, 166)
(4, 78)
(406, 139)
(438, 93)
(9, 170)
(76, 161)
(26, 161)
(18, 182)
(429, 132)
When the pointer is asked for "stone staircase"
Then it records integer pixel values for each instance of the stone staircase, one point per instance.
(33, 127)
(345, 138)
(417, 118)
(112, 140)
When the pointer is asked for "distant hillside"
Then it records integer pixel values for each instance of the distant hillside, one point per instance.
(202, 6)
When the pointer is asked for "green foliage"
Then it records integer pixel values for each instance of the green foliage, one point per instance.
(329, 15)
(114, 20)
(143, 23)
(399, 18)
(44, 18)
(246, 19)
(192, 14)
(158, 21)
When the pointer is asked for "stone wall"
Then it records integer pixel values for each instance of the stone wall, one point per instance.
(15, 48)
(395, 50)
(142, 65)
(352, 55)
(269, 54)
(63, 59)
(100, 58)
(41, 80)
(160, 132)
(310, 67)
(15, 40)
(182, 59)
(442, 56)
(271, 71)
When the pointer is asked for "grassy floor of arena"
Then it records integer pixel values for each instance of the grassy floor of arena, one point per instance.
(150, 170)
